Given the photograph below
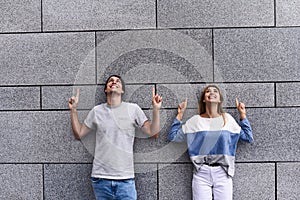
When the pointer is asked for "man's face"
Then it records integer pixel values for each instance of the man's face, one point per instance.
(114, 85)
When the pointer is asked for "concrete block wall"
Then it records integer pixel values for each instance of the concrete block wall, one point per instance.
(48, 48)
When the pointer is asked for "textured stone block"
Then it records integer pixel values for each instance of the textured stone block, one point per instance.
(253, 95)
(56, 97)
(139, 94)
(192, 13)
(287, 13)
(254, 181)
(39, 137)
(19, 98)
(175, 181)
(176, 93)
(20, 181)
(276, 135)
(288, 176)
(288, 94)
(20, 16)
(146, 181)
(68, 181)
(250, 182)
(72, 181)
(160, 150)
(269, 126)
(33, 59)
(94, 15)
(271, 141)
(155, 56)
(257, 55)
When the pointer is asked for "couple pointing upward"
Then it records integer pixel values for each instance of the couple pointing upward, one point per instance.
(115, 122)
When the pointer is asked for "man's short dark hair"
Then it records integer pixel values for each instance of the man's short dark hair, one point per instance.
(119, 77)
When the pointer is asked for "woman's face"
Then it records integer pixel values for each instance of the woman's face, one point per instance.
(212, 95)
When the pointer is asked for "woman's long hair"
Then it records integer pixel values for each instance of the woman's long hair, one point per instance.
(202, 104)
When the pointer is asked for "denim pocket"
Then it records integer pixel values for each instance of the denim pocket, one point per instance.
(95, 180)
(129, 181)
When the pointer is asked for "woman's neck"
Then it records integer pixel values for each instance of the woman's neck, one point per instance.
(211, 111)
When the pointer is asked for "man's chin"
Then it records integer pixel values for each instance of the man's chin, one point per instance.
(116, 92)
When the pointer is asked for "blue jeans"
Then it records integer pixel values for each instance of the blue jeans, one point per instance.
(107, 189)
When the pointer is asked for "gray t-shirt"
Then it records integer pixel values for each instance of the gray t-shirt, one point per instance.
(115, 132)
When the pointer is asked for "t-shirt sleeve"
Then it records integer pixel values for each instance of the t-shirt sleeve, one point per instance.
(90, 120)
(140, 117)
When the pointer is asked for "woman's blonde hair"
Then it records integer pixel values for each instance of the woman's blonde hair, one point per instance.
(202, 104)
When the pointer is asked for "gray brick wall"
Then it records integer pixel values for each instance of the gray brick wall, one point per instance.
(50, 47)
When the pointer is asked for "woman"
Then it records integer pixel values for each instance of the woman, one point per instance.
(212, 137)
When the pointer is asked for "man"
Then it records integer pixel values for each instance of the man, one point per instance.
(114, 122)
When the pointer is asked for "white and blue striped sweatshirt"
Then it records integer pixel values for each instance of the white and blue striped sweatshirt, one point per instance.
(209, 141)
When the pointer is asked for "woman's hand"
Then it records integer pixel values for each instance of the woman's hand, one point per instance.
(73, 101)
(241, 108)
(181, 109)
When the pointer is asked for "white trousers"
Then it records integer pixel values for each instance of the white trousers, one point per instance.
(212, 183)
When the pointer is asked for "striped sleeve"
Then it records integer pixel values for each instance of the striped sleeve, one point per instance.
(176, 133)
